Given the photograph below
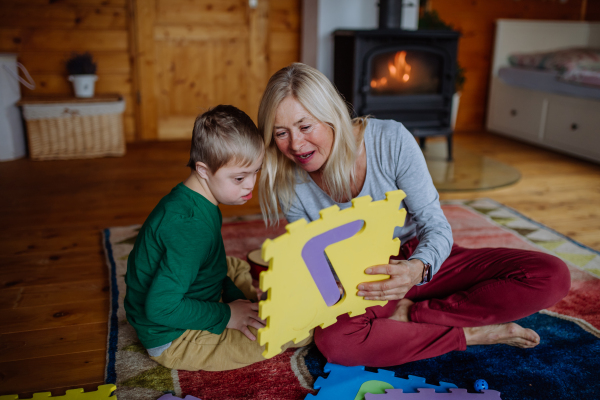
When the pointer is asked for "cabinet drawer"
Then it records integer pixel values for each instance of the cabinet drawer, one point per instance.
(515, 111)
(573, 125)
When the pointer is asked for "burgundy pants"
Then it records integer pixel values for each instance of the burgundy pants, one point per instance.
(474, 287)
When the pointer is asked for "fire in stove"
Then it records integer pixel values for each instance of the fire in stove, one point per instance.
(402, 72)
(398, 69)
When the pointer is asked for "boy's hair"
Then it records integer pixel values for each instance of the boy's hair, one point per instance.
(224, 134)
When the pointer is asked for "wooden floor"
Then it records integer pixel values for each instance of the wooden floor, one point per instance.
(53, 277)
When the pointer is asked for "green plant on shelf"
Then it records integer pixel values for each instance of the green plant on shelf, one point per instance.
(81, 64)
(431, 20)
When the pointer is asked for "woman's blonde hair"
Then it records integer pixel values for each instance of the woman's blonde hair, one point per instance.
(319, 97)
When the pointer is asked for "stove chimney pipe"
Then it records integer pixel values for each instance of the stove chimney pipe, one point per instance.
(390, 14)
(399, 14)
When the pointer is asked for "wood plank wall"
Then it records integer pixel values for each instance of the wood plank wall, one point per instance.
(45, 33)
(284, 33)
(592, 10)
(475, 20)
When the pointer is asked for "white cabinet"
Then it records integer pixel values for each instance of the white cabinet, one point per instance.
(566, 124)
(573, 125)
(515, 111)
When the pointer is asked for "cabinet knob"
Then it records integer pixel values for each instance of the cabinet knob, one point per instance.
(513, 112)
(574, 127)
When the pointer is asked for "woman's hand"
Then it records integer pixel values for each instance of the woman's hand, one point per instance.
(403, 276)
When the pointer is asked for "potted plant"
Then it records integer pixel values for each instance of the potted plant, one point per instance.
(82, 72)
(431, 20)
(459, 83)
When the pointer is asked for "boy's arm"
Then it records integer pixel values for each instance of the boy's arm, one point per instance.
(231, 292)
(187, 246)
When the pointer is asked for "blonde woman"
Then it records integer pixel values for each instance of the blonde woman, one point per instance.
(442, 297)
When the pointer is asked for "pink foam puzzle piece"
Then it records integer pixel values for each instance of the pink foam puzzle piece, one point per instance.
(431, 394)
(169, 396)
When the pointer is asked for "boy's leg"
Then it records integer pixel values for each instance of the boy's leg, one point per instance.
(202, 350)
(239, 272)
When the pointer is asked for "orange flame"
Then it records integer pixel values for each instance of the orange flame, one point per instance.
(378, 82)
(399, 68)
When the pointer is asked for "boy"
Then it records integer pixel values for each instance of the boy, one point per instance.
(189, 303)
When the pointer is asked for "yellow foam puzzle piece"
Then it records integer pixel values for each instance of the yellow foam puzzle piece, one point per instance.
(104, 392)
(294, 304)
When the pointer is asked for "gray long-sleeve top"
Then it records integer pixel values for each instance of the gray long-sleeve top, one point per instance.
(394, 161)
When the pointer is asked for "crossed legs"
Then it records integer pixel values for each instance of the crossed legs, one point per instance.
(471, 300)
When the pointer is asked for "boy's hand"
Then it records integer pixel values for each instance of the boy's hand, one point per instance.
(244, 314)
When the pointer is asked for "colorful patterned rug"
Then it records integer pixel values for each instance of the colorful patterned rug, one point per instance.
(564, 365)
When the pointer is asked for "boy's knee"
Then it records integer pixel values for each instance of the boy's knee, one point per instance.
(236, 266)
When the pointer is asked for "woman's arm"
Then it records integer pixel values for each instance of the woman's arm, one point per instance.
(422, 204)
(424, 211)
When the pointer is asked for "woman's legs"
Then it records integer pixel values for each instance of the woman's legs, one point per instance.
(478, 287)
(474, 288)
(372, 339)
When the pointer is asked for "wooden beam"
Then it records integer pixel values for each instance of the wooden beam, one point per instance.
(258, 57)
(54, 62)
(25, 39)
(144, 17)
(62, 16)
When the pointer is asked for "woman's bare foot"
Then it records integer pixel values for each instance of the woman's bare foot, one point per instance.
(402, 311)
(510, 334)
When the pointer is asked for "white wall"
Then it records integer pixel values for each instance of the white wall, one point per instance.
(321, 17)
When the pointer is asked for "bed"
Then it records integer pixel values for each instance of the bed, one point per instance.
(535, 105)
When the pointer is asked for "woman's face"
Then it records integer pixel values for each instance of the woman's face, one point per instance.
(301, 137)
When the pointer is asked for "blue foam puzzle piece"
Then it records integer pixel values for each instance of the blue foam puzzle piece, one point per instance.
(345, 382)
(169, 396)
(430, 394)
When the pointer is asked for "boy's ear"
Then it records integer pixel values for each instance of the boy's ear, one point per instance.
(202, 170)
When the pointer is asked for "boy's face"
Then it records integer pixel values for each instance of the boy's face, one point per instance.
(233, 184)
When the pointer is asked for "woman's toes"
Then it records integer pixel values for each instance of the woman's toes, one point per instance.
(510, 334)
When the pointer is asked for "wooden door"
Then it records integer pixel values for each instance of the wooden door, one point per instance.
(195, 54)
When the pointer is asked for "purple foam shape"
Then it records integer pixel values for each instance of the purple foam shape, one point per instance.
(313, 254)
(430, 394)
(169, 396)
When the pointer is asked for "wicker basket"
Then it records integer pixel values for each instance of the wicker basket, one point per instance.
(61, 130)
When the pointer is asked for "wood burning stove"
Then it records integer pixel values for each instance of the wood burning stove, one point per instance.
(405, 75)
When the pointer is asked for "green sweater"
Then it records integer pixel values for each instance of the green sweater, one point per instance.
(177, 271)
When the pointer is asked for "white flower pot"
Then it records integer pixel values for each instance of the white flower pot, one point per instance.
(83, 84)
(454, 109)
